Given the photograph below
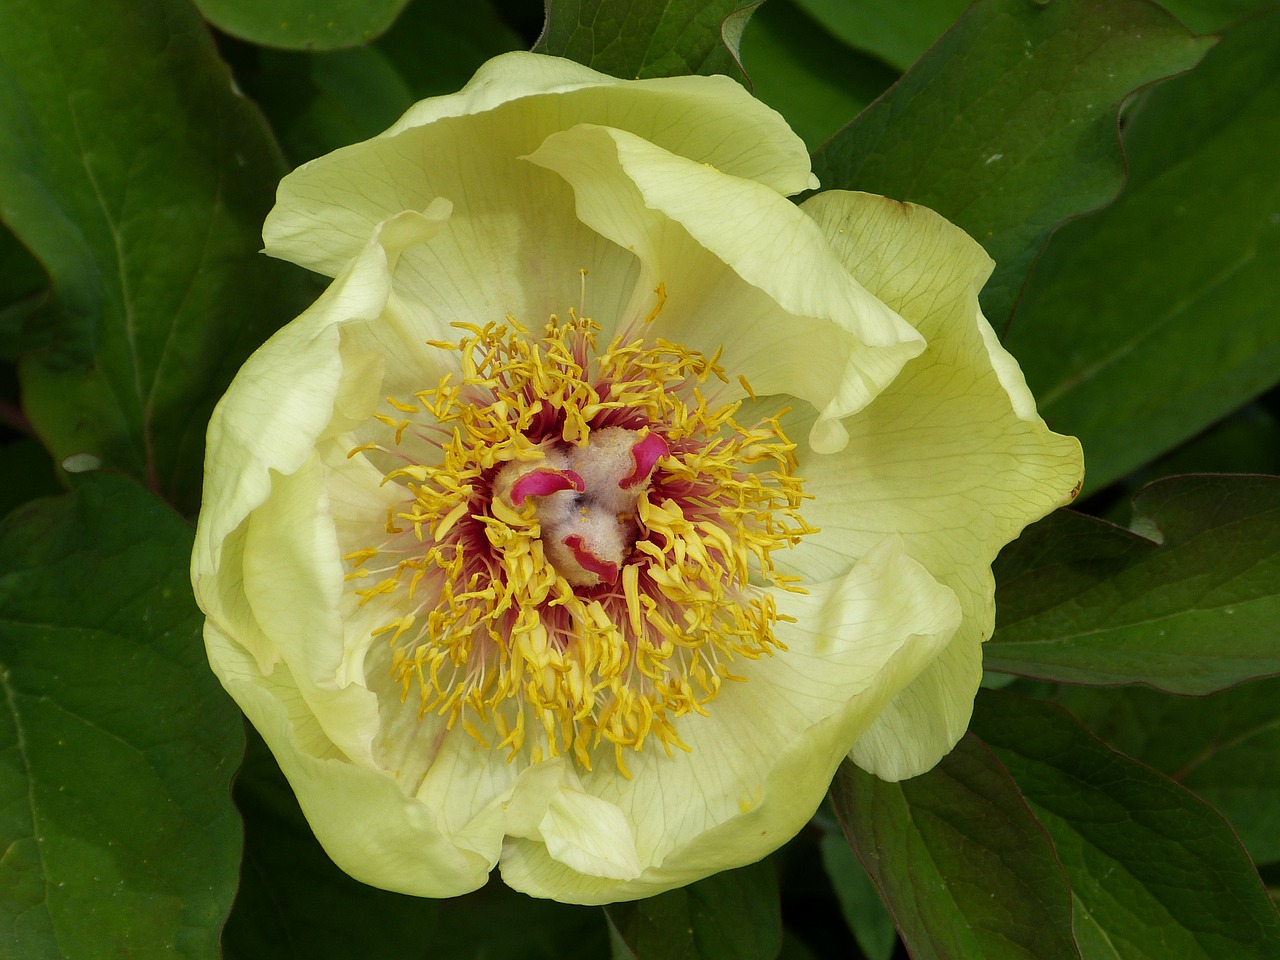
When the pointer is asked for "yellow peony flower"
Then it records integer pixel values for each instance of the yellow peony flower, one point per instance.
(607, 499)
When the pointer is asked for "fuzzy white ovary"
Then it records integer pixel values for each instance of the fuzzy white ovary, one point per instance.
(597, 524)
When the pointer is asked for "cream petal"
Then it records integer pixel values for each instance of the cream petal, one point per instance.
(520, 253)
(293, 582)
(464, 146)
(709, 119)
(760, 763)
(479, 797)
(589, 835)
(283, 398)
(265, 564)
(366, 824)
(742, 269)
(952, 456)
(479, 794)
(926, 720)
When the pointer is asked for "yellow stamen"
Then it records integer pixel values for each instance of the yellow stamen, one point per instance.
(492, 637)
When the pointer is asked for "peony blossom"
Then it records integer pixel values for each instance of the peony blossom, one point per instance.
(607, 499)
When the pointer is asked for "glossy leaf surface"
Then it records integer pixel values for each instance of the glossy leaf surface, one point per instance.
(302, 24)
(1156, 317)
(1015, 96)
(1189, 603)
(961, 862)
(1155, 872)
(142, 192)
(629, 40)
(117, 745)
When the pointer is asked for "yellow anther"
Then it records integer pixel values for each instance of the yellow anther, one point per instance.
(482, 625)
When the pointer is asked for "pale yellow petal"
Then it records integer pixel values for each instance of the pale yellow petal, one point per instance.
(464, 147)
(760, 763)
(742, 268)
(366, 824)
(952, 456)
(590, 836)
(283, 398)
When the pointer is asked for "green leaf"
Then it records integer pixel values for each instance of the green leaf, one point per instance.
(1209, 16)
(811, 79)
(318, 102)
(22, 287)
(627, 39)
(26, 472)
(294, 904)
(302, 24)
(895, 32)
(860, 903)
(1224, 747)
(963, 866)
(140, 179)
(1155, 318)
(1246, 442)
(730, 916)
(1155, 872)
(1193, 609)
(463, 37)
(1007, 126)
(118, 744)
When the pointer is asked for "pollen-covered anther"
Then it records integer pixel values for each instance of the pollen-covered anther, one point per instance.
(585, 544)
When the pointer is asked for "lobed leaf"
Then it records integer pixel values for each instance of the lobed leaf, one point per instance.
(809, 77)
(139, 179)
(962, 864)
(1155, 872)
(117, 745)
(302, 24)
(630, 40)
(1191, 610)
(730, 916)
(1016, 97)
(1224, 747)
(1153, 319)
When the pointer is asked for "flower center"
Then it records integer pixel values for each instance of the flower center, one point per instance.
(584, 545)
(586, 498)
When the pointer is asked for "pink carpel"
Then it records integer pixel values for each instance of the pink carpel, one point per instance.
(542, 482)
(644, 454)
(606, 571)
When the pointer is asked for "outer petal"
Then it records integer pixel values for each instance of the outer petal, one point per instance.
(952, 456)
(761, 762)
(283, 398)
(282, 401)
(279, 499)
(464, 147)
(361, 817)
(742, 268)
